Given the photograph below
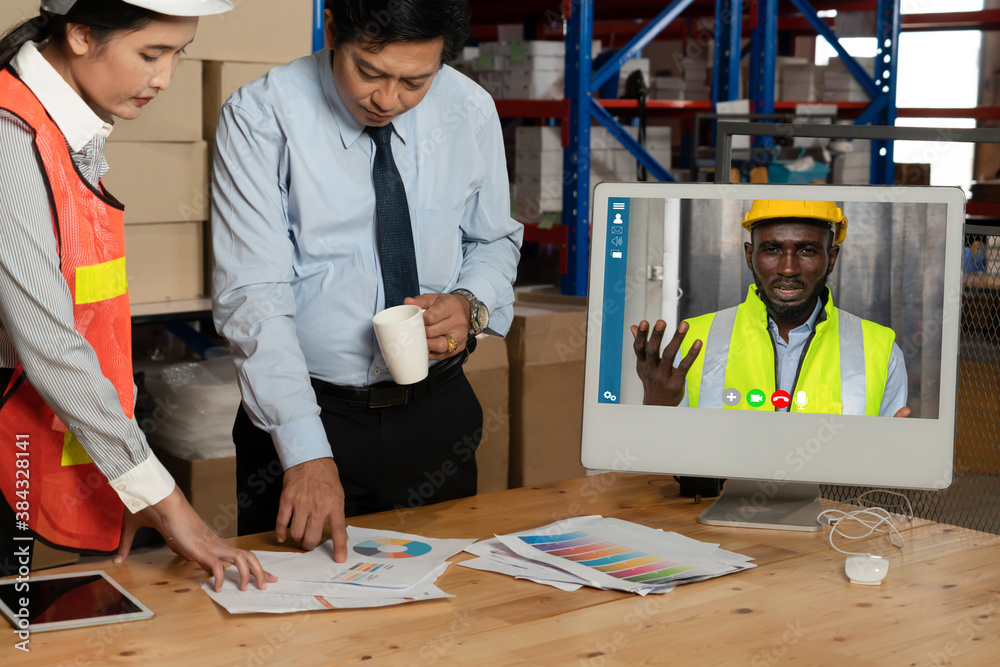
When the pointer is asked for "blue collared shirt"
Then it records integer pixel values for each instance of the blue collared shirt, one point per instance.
(297, 276)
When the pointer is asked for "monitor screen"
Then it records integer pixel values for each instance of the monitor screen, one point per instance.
(795, 348)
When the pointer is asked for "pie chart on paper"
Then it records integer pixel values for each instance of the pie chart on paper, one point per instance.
(390, 547)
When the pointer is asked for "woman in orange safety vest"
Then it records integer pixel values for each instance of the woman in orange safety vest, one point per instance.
(75, 470)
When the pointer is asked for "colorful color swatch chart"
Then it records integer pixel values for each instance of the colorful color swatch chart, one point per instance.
(613, 559)
(620, 555)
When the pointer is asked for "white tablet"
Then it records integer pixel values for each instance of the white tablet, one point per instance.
(62, 601)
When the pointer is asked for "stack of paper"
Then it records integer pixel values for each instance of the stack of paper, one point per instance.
(605, 553)
(383, 568)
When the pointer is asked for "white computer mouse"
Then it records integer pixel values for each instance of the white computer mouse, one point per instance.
(866, 569)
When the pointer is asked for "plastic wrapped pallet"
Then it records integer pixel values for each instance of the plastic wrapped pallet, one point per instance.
(197, 403)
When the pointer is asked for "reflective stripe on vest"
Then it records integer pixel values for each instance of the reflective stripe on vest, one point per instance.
(844, 370)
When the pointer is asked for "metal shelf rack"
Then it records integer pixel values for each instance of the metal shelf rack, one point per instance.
(582, 83)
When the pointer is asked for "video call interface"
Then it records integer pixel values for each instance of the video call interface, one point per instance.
(889, 271)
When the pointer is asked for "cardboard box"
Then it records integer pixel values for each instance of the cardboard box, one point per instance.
(43, 557)
(210, 487)
(16, 12)
(546, 347)
(158, 181)
(165, 262)
(801, 83)
(913, 173)
(220, 81)
(175, 114)
(257, 31)
(487, 372)
(547, 294)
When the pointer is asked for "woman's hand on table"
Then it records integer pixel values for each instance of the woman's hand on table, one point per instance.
(190, 538)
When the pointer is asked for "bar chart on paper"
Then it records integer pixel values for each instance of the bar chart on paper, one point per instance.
(613, 559)
(605, 552)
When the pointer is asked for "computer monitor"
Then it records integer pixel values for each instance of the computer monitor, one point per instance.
(677, 252)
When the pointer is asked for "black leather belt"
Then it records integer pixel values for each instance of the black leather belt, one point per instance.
(389, 394)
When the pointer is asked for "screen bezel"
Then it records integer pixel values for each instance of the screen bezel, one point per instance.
(144, 612)
(911, 453)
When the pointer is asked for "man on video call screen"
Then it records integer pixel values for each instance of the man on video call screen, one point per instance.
(786, 347)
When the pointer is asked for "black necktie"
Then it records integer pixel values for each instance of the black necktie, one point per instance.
(392, 216)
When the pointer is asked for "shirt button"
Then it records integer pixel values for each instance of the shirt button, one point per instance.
(121, 486)
(136, 504)
(377, 370)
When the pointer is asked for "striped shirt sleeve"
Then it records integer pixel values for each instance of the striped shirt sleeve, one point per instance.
(36, 327)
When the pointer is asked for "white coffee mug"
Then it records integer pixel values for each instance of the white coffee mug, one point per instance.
(403, 339)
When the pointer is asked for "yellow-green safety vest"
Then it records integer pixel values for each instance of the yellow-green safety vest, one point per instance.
(843, 369)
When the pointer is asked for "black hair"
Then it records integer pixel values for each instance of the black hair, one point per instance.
(374, 24)
(105, 18)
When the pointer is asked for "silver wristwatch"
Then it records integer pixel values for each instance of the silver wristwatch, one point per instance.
(479, 314)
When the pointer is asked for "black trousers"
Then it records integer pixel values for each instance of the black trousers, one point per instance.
(399, 457)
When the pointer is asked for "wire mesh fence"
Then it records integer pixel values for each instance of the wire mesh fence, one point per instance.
(973, 499)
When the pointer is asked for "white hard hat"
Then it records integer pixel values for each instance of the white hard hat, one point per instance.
(169, 7)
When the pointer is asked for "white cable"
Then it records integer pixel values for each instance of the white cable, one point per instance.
(873, 518)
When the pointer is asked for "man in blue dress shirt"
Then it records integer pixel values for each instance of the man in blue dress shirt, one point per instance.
(300, 197)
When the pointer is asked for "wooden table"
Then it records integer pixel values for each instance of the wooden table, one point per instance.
(939, 605)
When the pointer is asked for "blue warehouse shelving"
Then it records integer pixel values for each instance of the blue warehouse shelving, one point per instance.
(582, 83)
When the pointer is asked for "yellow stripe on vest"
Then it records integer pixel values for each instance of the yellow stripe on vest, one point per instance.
(73, 453)
(101, 282)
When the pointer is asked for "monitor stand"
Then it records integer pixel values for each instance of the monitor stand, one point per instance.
(766, 504)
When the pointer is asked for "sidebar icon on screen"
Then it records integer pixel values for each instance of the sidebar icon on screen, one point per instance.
(616, 243)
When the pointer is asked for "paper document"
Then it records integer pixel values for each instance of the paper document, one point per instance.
(253, 601)
(382, 568)
(495, 557)
(609, 553)
(374, 558)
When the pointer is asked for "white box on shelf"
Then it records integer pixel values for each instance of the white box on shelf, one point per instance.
(547, 162)
(526, 91)
(547, 137)
(539, 78)
(537, 64)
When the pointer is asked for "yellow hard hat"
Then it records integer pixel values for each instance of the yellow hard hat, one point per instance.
(826, 211)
